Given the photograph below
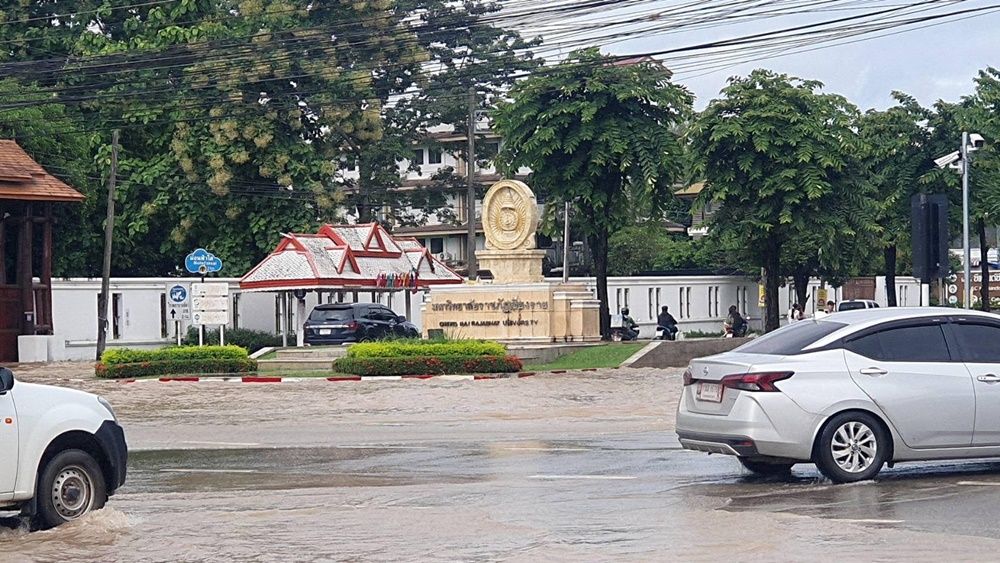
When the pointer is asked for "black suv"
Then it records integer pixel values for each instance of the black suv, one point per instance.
(337, 323)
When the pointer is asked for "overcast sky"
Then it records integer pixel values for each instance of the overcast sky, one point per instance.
(933, 63)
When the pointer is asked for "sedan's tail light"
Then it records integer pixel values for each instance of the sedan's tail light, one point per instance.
(688, 379)
(755, 381)
(353, 325)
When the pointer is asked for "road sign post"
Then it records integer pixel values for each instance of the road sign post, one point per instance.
(210, 306)
(179, 302)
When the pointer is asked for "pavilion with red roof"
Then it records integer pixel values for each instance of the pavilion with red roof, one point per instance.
(27, 194)
(348, 257)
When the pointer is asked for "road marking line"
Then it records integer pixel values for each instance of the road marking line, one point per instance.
(181, 470)
(223, 443)
(869, 521)
(517, 449)
(979, 483)
(585, 477)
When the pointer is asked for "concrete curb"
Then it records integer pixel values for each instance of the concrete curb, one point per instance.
(280, 379)
(642, 352)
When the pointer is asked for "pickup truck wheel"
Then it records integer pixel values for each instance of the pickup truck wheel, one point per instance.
(70, 485)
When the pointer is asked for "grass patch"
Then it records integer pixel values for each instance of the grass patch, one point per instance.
(602, 356)
(272, 355)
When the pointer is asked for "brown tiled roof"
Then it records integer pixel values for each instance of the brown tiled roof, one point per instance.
(22, 178)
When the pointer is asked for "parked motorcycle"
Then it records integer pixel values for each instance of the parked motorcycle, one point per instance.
(663, 334)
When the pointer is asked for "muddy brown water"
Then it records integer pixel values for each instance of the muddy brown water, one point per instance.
(579, 467)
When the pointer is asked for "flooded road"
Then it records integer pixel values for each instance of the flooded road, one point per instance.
(554, 468)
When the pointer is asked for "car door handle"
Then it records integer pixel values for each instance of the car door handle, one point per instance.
(873, 371)
(989, 378)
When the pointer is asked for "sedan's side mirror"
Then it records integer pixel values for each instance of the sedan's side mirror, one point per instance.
(401, 319)
(6, 380)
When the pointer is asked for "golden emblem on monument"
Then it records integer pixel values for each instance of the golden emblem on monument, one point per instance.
(510, 216)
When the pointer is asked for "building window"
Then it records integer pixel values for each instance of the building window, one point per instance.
(656, 311)
(116, 316)
(652, 306)
(163, 316)
(618, 299)
(437, 245)
(277, 313)
(433, 156)
(236, 310)
(418, 156)
(687, 302)
(626, 298)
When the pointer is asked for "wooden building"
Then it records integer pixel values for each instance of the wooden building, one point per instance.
(27, 194)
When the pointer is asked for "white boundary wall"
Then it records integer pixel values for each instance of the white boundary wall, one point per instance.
(138, 318)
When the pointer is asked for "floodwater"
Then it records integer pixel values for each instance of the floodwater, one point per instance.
(550, 468)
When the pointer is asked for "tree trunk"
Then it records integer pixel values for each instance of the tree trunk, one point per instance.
(772, 279)
(890, 275)
(984, 250)
(599, 253)
(801, 280)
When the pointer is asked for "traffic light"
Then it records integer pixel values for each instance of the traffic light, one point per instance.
(929, 214)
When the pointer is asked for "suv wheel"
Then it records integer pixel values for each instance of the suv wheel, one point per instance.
(765, 468)
(852, 447)
(70, 486)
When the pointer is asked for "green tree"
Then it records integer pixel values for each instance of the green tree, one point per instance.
(598, 133)
(778, 156)
(895, 154)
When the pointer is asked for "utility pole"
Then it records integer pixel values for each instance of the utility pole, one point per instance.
(966, 251)
(109, 228)
(470, 195)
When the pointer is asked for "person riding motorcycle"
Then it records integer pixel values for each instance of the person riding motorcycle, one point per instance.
(736, 326)
(668, 323)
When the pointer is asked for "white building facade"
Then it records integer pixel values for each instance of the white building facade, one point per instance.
(139, 311)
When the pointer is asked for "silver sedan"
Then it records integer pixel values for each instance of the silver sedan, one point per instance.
(851, 393)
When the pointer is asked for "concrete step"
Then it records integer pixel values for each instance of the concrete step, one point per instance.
(318, 364)
(310, 353)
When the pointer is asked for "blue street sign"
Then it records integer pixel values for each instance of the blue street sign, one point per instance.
(178, 295)
(202, 262)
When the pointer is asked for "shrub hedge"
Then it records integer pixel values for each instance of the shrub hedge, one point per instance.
(424, 348)
(198, 366)
(174, 353)
(424, 365)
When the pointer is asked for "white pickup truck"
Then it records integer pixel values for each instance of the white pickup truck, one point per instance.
(62, 452)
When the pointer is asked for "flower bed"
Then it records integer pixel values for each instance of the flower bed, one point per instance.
(216, 366)
(427, 365)
(126, 362)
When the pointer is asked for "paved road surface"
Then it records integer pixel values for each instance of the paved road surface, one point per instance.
(554, 468)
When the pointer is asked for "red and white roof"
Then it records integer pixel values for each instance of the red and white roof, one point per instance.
(340, 256)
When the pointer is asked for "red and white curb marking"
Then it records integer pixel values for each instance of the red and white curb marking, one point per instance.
(279, 379)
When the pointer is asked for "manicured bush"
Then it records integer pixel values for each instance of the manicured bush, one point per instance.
(425, 348)
(423, 365)
(252, 340)
(200, 366)
(132, 356)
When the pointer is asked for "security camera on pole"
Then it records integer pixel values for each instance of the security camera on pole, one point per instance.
(959, 161)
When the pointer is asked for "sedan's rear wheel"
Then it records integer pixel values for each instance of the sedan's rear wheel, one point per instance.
(765, 468)
(852, 447)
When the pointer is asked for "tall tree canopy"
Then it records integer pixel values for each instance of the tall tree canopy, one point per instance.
(598, 133)
(779, 156)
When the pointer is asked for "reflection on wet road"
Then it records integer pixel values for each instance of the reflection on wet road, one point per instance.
(555, 469)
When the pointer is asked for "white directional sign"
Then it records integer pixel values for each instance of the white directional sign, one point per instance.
(178, 303)
(209, 289)
(210, 317)
(210, 303)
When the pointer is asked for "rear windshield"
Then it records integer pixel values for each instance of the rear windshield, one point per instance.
(791, 339)
(344, 314)
(851, 305)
